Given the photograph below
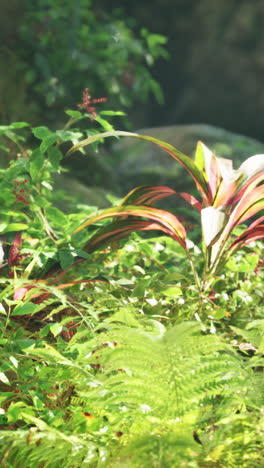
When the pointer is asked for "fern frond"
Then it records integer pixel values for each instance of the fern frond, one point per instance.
(172, 374)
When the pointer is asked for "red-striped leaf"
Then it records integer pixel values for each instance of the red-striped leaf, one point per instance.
(147, 195)
(166, 219)
(254, 232)
(249, 185)
(121, 229)
(187, 162)
(250, 204)
(191, 200)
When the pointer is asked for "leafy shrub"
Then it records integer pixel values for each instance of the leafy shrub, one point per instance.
(62, 46)
(117, 357)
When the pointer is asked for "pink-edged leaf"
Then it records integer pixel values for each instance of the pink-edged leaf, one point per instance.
(249, 185)
(252, 165)
(118, 230)
(225, 193)
(184, 160)
(191, 200)
(250, 204)
(247, 237)
(211, 170)
(166, 219)
(147, 195)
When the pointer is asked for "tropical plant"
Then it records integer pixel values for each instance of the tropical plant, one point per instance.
(229, 197)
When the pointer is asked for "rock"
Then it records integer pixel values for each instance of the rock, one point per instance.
(68, 186)
(143, 163)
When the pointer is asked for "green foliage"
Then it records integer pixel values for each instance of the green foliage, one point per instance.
(61, 45)
(229, 198)
(116, 356)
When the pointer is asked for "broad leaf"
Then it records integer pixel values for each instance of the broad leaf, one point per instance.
(252, 165)
(213, 221)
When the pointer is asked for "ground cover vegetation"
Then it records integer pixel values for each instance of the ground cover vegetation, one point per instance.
(121, 346)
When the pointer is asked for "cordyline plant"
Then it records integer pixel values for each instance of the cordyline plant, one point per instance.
(229, 197)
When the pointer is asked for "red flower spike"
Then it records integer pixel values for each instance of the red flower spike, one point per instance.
(87, 103)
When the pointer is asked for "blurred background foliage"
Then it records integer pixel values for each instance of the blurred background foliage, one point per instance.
(182, 72)
(52, 50)
(210, 70)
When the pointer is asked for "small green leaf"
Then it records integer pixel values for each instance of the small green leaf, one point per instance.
(47, 142)
(56, 328)
(109, 112)
(57, 217)
(106, 125)
(35, 165)
(16, 409)
(172, 291)
(54, 156)
(219, 313)
(243, 264)
(12, 227)
(19, 125)
(41, 132)
(27, 308)
(74, 114)
(66, 259)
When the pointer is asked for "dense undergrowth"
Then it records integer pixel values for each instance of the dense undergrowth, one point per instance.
(121, 357)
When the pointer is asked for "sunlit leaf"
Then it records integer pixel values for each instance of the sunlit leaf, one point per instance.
(213, 221)
(25, 308)
(147, 195)
(121, 229)
(187, 162)
(191, 200)
(165, 218)
(252, 165)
